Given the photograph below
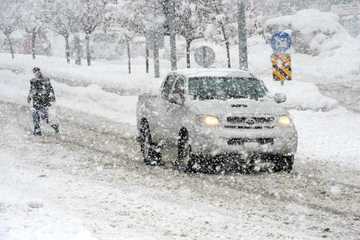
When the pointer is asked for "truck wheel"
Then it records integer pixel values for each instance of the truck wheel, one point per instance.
(284, 163)
(185, 159)
(149, 150)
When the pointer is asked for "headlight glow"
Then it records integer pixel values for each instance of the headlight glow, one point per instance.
(209, 121)
(284, 121)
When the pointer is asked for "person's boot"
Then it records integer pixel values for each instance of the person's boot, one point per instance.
(37, 132)
(56, 128)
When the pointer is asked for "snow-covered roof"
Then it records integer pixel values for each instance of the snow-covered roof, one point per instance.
(212, 72)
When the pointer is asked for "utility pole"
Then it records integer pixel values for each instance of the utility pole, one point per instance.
(156, 39)
(242, 31)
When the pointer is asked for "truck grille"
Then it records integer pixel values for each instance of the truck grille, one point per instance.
(249, 127)
(250, 122)
(239, 120)
(242, 141)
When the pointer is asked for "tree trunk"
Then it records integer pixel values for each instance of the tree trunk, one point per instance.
(228, 56)
(243, 51)
(67, 49)
(88, 53)
(129, 54)
(227, 45)
(156, 59)
(173, 57)
(188, 53)
(226, 39)
(147, 56)
(10, 46)
(33, 41)
(77, 50)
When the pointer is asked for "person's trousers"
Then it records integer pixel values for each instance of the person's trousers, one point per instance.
(39, 114)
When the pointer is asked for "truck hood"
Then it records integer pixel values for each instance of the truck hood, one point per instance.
(235, 107)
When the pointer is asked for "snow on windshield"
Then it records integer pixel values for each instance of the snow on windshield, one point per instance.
(223, 88)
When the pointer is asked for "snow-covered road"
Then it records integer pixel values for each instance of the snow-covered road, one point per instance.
(89, 183)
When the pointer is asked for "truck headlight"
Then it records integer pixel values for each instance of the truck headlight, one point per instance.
(209, 121)
(284, 121)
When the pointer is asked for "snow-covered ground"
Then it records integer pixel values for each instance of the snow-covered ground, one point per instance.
(93, 185)
(89, 183)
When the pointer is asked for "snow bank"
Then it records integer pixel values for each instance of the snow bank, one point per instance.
(109, 75)
(339, 65)
(303, 96)
(313, 31)
(329, 136)
(324, 51)
(91, 99)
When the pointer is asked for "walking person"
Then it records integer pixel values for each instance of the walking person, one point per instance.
(42, 96)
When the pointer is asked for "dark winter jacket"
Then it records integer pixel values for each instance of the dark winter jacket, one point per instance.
(41, 92)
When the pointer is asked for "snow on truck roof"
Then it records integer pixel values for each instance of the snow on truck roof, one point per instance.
(215, 72)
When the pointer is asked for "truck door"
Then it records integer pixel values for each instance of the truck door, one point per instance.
(163, 118)
(177, 111)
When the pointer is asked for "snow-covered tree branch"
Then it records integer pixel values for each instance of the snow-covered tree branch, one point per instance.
(9, 21)
(61, 16)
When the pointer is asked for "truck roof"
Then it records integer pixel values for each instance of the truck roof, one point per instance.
(213, 72)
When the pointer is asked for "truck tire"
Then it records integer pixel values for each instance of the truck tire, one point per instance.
(185, 158)
(284, 163)
(151, 153)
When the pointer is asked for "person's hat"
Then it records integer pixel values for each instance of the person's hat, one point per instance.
(36, 69)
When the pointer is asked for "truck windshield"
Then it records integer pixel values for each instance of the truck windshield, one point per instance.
(224, 88)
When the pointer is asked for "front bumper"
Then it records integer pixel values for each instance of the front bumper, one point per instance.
(220, 141)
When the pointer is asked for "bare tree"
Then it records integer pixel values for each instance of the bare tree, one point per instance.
(221, 20)
(62, 18)
(132, 14)
(146, 18)
(127, 20)
(9, 21)
(126, 38)
(31, 21)
(92, 13)
(154, 21)
(191, 20)
(222, 25)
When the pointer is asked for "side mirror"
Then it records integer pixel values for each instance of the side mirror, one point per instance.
(177, 98)
(280, 98)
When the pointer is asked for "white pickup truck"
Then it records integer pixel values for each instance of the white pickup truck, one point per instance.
(212, 116)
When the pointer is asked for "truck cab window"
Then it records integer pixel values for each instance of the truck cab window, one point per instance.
(179, 87)
(167, 86)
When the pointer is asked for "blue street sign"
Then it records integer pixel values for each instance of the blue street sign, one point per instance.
(281, 42)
